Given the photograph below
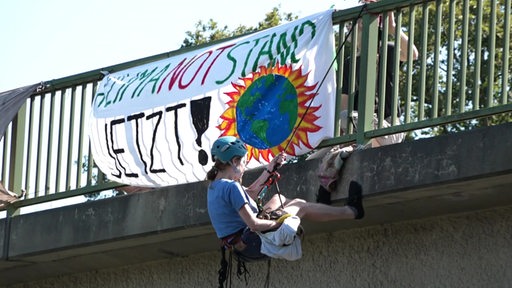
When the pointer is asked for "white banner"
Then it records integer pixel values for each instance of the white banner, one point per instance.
(153, 125)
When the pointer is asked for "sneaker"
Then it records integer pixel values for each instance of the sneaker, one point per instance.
(355, 199)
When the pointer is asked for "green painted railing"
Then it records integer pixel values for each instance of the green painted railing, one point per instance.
(460, 80)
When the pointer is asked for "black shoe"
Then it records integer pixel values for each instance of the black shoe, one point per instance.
(355, 199)
(323, 196)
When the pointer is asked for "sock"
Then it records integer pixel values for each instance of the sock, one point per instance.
(323, 196)
(355, 199)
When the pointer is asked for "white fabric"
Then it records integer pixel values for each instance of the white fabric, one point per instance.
(11, 102)
(153, 125)
(284, 242)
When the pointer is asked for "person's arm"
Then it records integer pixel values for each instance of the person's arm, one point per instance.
(254, 189)
(255, 223)
(404, 40)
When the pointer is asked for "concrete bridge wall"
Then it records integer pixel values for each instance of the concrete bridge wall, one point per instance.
(439, 214)
(464, 250)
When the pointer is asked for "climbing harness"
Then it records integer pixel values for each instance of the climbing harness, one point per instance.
(229, 243)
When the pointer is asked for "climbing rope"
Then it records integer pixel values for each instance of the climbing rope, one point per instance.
(225, 270)
(338, 52)
(274, 175)
(273, 178)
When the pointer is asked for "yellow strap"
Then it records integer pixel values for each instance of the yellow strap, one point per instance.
(282, 218)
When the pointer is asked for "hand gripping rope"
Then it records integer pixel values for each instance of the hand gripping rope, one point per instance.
(271, 180)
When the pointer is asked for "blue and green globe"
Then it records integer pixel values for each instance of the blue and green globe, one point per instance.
(267, 112)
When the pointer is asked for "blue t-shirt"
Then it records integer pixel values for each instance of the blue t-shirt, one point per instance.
(225, 198)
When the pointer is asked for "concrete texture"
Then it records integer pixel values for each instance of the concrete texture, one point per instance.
(461, 250)
(423, 180)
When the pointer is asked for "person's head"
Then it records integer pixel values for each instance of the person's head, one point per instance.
(228, 152)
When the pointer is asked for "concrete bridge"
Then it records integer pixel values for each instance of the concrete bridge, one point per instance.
(466, 172)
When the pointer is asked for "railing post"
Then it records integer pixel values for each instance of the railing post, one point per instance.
(367, 76)
(17, 145)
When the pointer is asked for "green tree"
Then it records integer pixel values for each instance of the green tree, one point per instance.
(474, 88)
(100, 194)
(211, 31)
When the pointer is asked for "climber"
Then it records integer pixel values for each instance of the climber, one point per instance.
(234, 212)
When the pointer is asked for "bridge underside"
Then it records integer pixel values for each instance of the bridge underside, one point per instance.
(456, 173)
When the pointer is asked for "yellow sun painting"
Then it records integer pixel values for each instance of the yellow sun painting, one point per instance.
(271, 111)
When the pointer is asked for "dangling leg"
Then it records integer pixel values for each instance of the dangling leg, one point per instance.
(321, 212)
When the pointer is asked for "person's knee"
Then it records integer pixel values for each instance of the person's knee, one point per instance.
(296, 207)
(298, 202)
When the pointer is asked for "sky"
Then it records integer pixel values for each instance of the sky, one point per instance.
(52, 39)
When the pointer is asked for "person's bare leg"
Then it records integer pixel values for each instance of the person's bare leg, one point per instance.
(318, 211)
(322, 212)
(311, 211)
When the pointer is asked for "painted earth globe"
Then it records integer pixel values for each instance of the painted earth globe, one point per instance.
(267, 111)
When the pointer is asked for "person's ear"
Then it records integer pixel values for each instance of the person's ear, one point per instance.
(235, 161)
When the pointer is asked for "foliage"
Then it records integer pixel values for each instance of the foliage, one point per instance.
(211, 31)
(446, 62)
(100, 194)
(470, 57)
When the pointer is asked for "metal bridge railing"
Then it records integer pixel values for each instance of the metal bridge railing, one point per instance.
(460, 80)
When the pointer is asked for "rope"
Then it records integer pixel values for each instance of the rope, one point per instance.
(274, 176)
(242, 270)
(226, 266)
(363, 8)
(230, 280)
(271, 180)
(267, 280)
